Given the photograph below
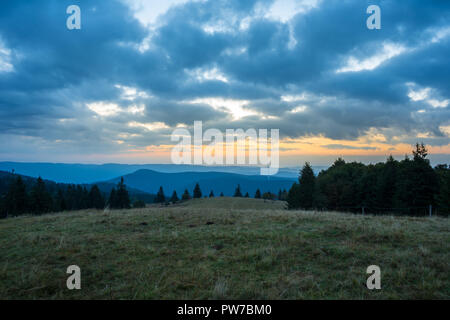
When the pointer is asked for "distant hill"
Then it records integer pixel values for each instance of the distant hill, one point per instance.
(150, 181)
(89, 173)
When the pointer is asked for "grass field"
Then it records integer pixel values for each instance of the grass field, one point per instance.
(223, 248)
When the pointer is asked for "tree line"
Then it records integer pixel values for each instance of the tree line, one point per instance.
(197, 194)
(38, 198)
(409, 187)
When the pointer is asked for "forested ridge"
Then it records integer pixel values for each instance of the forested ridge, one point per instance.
(411, 186)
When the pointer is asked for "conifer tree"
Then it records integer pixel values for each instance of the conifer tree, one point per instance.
(160, 197)
(16, 200)
(417, 183)
(258, 194)
(197, 192)
(211, 194)
(60, 201)
(174, 197)
(237, 192)
(293, 198)
(186, 195)
(443, 196)
(307, 187)
(40, 200)
(96, 199)
(112, 202)
(122, 197)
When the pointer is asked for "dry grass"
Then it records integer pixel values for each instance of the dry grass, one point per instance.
(197, 251)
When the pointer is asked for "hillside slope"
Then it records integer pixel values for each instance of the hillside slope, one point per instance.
(233, 203)
(203, 253)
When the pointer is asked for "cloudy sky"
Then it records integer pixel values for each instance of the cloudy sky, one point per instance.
(115, 90)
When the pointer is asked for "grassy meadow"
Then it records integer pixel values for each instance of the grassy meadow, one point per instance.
(223, 248)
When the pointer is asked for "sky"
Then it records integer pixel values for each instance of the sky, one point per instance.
(115, 90)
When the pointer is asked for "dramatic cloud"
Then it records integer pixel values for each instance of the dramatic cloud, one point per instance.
(138, 69)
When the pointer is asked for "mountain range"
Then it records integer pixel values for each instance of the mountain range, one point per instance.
(145, 183)
(150, 181)
(90, 173)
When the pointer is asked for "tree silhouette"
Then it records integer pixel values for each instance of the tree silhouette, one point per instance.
(112, 202)
(186, 195)
(96, 199)
(160, 197)
(293, 198)
(197, 192)
(123, 199)
(307, 184)
(16, 198)
(40, 200)
(60, 201)
(258, 194)
(211, 194)
(174, 197)
(443, 196)
(237, 192)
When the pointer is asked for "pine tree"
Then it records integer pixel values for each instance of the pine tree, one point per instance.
(443, 197)
(60, 201)
(186, 196)
(112, 202)
(78, 198)
(96, 199)
(174, 198)
(420, 152)
(307, 187)
(293, 198)
(85, 198)
(16, 198)
(70, 197)
(258, 194)
(211, 194)
(123, 199)
(237, 192)
(417, 183)
(385, 188)
(197, 192)
(247, 195)
(160, 197)
(40, 200)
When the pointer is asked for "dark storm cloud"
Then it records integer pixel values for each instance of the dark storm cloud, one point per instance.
(57, 72)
